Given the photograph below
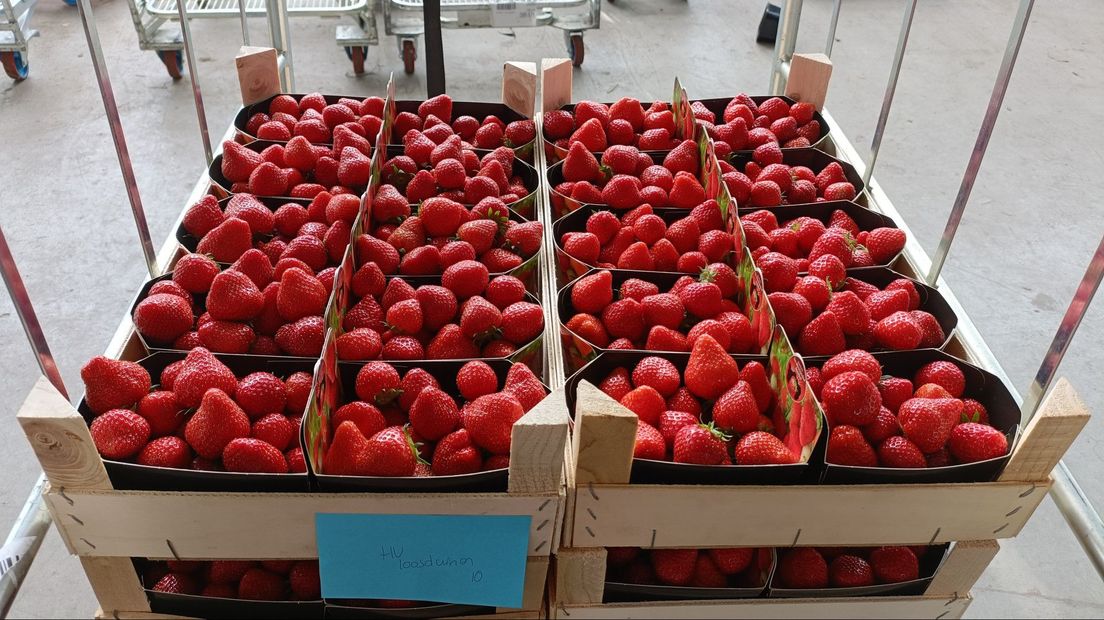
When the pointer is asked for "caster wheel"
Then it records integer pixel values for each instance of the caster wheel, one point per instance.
(174, 62)
(14, 65)
(575, 50)
(357, 55)
(71, 2)
(409, 56)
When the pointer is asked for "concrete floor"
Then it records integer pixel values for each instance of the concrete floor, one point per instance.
(1026, 238)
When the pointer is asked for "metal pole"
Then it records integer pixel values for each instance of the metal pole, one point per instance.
(832, 28)
(434, 48)
(116, 125)
(1011, 51)
(244, 22)
(193, 75)
(30, 528)
(1082, 518)
(281, 40)
(784, 43)
(891, 89)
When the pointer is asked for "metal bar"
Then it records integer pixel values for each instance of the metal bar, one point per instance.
(276, 11)
(193, 76)
(1078, 306)
(891, 89)
(434, 48)
(785, 43)
(244, 22)
(832, 28)
(30, 528)
(1011, 51)
(1083, 520)
(116, 125)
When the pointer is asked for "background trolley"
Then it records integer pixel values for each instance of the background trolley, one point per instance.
(15, 31)
(403, 18)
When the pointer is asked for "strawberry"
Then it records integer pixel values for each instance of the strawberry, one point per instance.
(476, 379)
(525, 238)
(617, 384)
(762, 448)
(195, 272)
(456, 454)
(898, 451)
(856, 360)
(658, 373)
(683, 157)
(894, 564)
(885, 303)
(852, 314)
(303, 338)
(779, 272)
(306, 584)
(649, 443)
(662, 338)
(706, 574)
(253, 456)
(227, 241)
(593, 292)
(558, 124)
(803, 568)
(973, 411)
(701, 299)
(617, 158)
(736, 411)
(822, 336)
(898, 332)
(636, 257)
(931, 332)
(850, 571)
(216, 422)
(261, 393)
(234, 297)
(162, 318)
(971, 442)
(646, 402)
(928, 422)
(450, 343)
(894, 391)
(359, 344)
(716, 329)
(434, 414)
(202, 217)
(700, 444)
(238, 162)
(622, 192)
(259, 584)
(176, 583)
(709, 372)
(112, 384)
(163, 412)
(490, 419)
(390, 452)
(439, 106)
(624, 319)
(119, 433)
(591, 134)
(674, 567)
(944, 374)
(665, 309)
(791, 310)
(276, 430)
(226, 336)
(847, 446)
(522, 384)
(256, 266)
(850, 398)
(522, 322)
(466, 278)
(348, 452)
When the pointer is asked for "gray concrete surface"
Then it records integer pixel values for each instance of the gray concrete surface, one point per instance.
(1025, 240)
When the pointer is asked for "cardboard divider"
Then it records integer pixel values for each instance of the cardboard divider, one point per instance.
(794, 409)
(981, 385)
(132, 476)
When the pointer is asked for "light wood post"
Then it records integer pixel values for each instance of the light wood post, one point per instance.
(519, 87)
(580, 575)
(1048, 435)
(258, 73)
(605, 435)
(555, 83)
(808, 81)
(964, 565)
(537, 445)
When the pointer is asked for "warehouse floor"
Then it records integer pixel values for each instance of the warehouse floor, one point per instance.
(65, 213)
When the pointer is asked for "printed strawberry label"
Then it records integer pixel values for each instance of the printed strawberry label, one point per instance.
(463, 559)
(683, 113)
(798, 410)
(339, 300)
(321, 403)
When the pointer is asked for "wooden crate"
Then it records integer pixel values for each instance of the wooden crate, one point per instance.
(106, 527)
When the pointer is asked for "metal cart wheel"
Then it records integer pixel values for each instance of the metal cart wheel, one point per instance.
(357, 55)
(409, 55)
(14, 65)
(174, 62)
(575, 49)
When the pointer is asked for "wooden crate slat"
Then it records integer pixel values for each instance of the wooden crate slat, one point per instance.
(777, 608)
(962, 568)
(676, 516)
(1060, 419)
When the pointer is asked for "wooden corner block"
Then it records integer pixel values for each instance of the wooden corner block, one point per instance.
(808, 81)
(1048, 435)
(964, 565)
(604, 439)
(580, 575)
(258, 73)
(519, 87)
(537, 445)
(556, 74)
(60, 439)
(116, 585)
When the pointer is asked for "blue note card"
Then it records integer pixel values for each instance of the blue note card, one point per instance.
(473, 560)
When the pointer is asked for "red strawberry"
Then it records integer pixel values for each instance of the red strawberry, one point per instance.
(434, 414)
(928, 422)
(226, 336)
(238, 162)
(234, 297)
(850, 398)
(591, 134)
(359, 344)
(476, 379)
(162, 411)
(305, 582)
(803, 568)
(276, 430)
(894, 391)
(885, 303)
(522, 322)
(451, 343)
(971, 442)
(593, 292)
(683, 157)
(202, 217)
(701, 299)
(762, 448)
(700, 444)
(847, 446)
(854, 359)
(390, 452)
(466, 278)
(792, 311)
(348, 452)
(624, 319)
(111, 384)
(525, 238)
(200, 372)
(490, 418)
(931, 333)
(253, 456)
(894, 564)
(456, 454)
(674, 567)
(709, 372)
(850, 571)
(658, 373)
(162, 318)
(944, 374)
(662, 338)
(176, 583)
(259, 584)
(119, 433)
(216, 422)
(900, 452)
(736, 411)
(649, 443)
(822, 336)
(646, 402)
(898, 332)
(261, 393)
(622, 192)
(636, 257)
(227, 241)
(303, 338)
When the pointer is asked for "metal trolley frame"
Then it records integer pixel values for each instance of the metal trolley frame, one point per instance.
(15, 32)
(26, 536)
